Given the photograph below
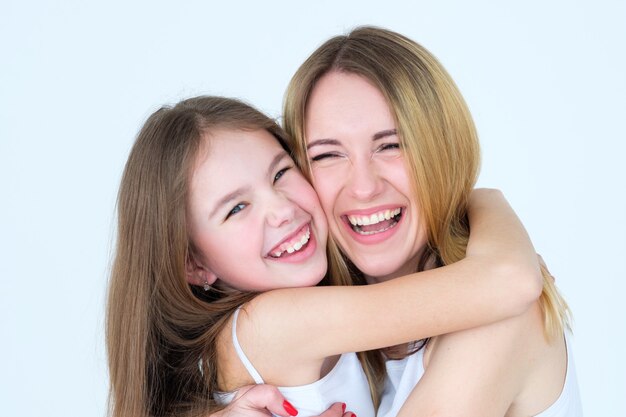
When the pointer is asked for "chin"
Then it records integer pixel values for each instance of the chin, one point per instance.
(313, 277)
(381, 269)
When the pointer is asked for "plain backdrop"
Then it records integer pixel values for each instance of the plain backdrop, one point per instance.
(545, 81)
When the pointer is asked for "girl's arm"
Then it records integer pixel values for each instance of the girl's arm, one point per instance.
(499, 278)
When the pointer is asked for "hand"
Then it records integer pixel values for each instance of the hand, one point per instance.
(263, 400)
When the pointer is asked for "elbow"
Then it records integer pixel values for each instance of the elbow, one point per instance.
(526, 285)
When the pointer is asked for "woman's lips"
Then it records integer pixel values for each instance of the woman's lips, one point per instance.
(373, 225)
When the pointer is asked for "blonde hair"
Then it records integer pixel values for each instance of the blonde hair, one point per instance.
(161, 331)
(438, 138)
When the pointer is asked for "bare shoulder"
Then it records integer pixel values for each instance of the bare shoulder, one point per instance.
(231, 373)
(521, 335)
(510, 364)
(270, 342)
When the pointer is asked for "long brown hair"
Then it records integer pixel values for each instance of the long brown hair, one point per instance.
(438, 138)
(161, 331)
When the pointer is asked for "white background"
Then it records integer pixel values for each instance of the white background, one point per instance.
(545, 82)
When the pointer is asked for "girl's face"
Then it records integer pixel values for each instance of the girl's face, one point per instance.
(255, 222)
(360, 176)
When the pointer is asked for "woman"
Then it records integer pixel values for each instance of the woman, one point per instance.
(213, 215)
(381, 126)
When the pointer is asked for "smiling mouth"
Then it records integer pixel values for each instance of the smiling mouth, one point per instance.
(374, 223)
(296, 244)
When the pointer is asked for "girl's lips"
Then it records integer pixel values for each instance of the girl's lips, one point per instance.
(293, 244)
(291, 239)
(305, 252)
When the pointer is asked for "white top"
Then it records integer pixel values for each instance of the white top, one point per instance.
(404, 374)
(346, 382)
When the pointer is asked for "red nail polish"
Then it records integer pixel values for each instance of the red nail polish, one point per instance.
(290, 409)
(353, 415)
(343, 407)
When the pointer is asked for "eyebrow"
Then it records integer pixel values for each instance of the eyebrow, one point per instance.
(242, 190)
(384, 134)
(228, 198)
(376, 136)
(319, 142)
(275, 161)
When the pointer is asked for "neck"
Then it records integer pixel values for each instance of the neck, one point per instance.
(408, 268)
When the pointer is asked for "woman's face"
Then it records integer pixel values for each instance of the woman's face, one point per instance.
(360, 176)
(255, 221)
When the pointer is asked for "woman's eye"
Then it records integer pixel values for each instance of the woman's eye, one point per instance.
(236, 209)
(281, 173)
(388, 146)
(322, 156)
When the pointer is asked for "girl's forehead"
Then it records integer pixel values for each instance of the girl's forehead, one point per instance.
(236, 152)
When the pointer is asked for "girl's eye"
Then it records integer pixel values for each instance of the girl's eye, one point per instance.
(236, 210)
(281, 173)
(322, 156)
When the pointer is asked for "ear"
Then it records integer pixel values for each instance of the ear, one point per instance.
(198, 274)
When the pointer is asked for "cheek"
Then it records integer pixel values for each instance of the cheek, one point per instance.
(300, 192)
(404, 186)
(326, 187)
(228, 246)
(398, 175)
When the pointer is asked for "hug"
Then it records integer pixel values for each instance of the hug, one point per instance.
(343, 257)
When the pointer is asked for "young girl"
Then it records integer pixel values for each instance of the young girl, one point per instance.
(213, 214)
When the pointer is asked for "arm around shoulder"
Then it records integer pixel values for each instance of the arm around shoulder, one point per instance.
(495, 281)
(499, 241)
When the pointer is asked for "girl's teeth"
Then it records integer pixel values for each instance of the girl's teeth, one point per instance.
(291, 248)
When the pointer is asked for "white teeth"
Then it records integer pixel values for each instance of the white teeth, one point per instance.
(374, 218)
(292, 247)
(377, 231)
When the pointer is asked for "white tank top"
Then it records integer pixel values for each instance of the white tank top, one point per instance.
(404, 374)
(346, 383)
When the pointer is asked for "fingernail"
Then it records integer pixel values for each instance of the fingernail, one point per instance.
(290, 409)
(353, 415)
(343, 407)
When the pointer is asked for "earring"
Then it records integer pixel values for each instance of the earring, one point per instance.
(206, 285)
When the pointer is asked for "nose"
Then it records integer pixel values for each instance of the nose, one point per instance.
(281, 210)
(364, 183)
